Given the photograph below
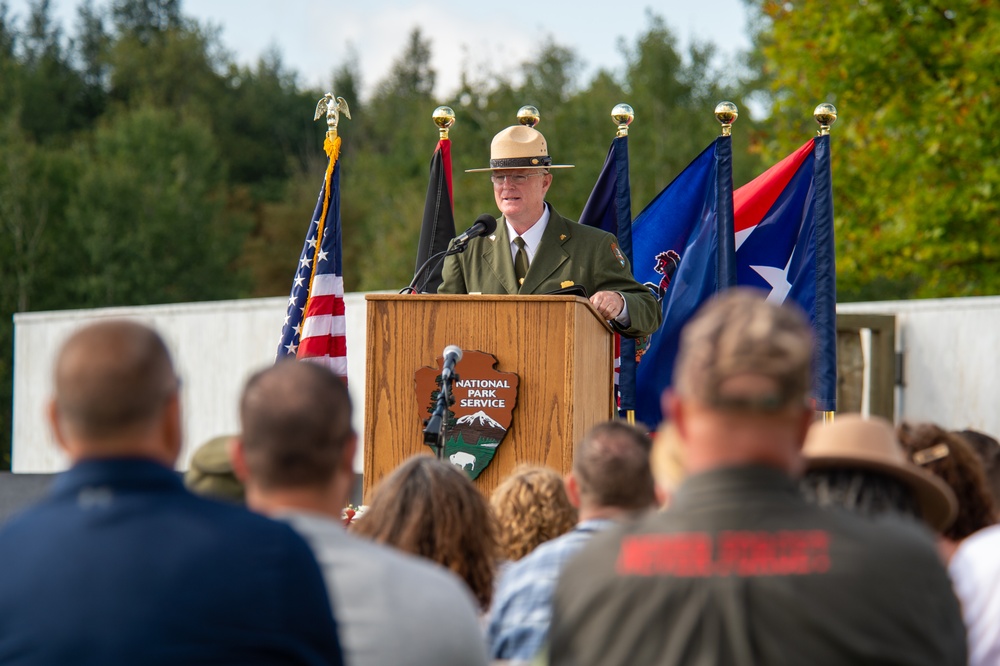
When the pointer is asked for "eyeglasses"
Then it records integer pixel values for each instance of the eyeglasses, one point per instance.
(516, 179)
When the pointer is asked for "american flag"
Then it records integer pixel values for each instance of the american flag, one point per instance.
(314, 327)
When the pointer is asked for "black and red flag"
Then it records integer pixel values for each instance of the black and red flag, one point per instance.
(438, 227)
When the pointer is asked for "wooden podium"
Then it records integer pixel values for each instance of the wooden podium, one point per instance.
(559, 347)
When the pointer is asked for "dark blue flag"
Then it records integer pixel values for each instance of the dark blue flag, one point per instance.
(684, 251)
(610, 208)
(784, 237)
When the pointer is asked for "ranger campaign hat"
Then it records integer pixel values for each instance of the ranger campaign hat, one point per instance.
(854, 442)
(520, 147)
(211, 472)
(737, 336)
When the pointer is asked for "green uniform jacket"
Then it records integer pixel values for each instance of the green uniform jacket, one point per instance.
(742, 571)
(568, 254)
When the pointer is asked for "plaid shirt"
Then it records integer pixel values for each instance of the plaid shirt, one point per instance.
(522, 605)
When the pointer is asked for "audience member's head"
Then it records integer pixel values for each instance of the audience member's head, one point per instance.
(611, 471)
(116, 395)
(988, 449)
(858, 464)
(210, 473)
(531, 507)
(741, 384)
(296, 435)
(950, 458)
(430, 508)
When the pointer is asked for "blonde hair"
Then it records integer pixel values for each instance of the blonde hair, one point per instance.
(531, 507)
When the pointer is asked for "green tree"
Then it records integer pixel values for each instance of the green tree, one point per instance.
(147, 214)
(916, 166)
(34, 190)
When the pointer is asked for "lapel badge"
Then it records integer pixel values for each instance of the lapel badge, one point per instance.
(493, 237)
(562, 237)
(566, 283)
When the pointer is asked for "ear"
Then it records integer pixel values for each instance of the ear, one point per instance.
(52, 413)
(238, 459)
(805, 422)
(662, 496)
(350, 450)
(546, 182)
(572, 489)
(172, 428)
(673, 406)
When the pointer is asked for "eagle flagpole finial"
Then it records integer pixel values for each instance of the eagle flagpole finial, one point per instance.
(332, 107)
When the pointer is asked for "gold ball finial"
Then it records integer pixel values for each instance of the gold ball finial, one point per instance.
(444, 118)
(622, 115)
(528, 115)
(726, 113)
(825, 115)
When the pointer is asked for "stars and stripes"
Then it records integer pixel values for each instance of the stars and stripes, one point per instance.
(314, 327)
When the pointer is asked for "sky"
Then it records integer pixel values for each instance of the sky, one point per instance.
(317, 36)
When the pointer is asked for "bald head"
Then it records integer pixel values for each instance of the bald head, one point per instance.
(112, 379)
(296, 424)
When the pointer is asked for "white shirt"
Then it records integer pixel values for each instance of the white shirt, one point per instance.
(532, 237)
(975, 575)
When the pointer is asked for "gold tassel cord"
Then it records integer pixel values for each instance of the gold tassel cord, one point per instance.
(332, 149)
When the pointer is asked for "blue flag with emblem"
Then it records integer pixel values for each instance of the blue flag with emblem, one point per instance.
(610, 208)
(684, 252)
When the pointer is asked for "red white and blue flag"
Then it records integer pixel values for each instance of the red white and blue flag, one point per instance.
(315, 327)
(698, 237)
(784, 245)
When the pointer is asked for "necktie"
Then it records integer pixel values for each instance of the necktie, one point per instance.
(520, 261)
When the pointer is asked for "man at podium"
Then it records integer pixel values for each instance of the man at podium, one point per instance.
(535, 250)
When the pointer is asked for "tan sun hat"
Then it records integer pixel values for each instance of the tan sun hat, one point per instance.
(520, 147)
(854, 442)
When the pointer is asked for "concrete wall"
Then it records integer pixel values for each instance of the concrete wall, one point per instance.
(951, 359)
(215, 345)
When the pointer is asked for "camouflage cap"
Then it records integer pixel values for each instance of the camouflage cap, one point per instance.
(211, 472)
(740, 335)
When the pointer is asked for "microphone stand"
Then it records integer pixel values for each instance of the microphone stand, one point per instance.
(436, 425)
(439, 257)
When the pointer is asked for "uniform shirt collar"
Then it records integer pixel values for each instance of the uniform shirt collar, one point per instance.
(532, 237)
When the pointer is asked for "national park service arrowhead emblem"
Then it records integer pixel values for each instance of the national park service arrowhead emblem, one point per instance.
(479, 419)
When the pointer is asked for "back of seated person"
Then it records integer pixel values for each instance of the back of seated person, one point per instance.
(430, 508)
(857, 464)
(951, 459)
(531, 508)
(121, 564)
(296, 456)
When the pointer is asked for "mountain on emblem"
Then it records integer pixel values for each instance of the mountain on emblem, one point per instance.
(480, 416)
(480, 419)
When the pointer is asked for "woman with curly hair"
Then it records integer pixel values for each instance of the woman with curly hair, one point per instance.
(429, 508)
(950, 457)
(531, 507)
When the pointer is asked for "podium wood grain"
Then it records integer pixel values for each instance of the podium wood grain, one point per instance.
(559, 347)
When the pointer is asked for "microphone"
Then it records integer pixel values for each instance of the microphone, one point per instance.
(452, 355)
(485, 225)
